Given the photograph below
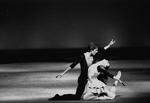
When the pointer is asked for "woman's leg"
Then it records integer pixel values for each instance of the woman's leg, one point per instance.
(89, 96)
(111, 94)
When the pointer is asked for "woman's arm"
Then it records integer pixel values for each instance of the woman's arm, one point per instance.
(102, 70)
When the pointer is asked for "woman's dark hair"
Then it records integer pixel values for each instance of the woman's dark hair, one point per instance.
(92, 46)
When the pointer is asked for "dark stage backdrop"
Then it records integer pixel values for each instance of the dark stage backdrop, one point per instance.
(72, 24)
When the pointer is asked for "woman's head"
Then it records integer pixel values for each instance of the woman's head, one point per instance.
(103, 62)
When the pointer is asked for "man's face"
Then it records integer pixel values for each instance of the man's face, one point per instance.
(94, 51)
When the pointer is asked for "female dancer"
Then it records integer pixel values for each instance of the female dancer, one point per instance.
(96, 89)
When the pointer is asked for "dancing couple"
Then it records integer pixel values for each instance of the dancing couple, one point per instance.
(86, 61)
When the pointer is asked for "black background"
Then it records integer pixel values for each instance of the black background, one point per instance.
(41, 29)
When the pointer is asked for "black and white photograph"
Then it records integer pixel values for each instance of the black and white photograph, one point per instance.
(74, 51)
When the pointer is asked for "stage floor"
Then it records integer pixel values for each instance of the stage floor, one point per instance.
(35, 82)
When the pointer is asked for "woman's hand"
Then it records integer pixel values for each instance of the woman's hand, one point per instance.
(121, 82)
